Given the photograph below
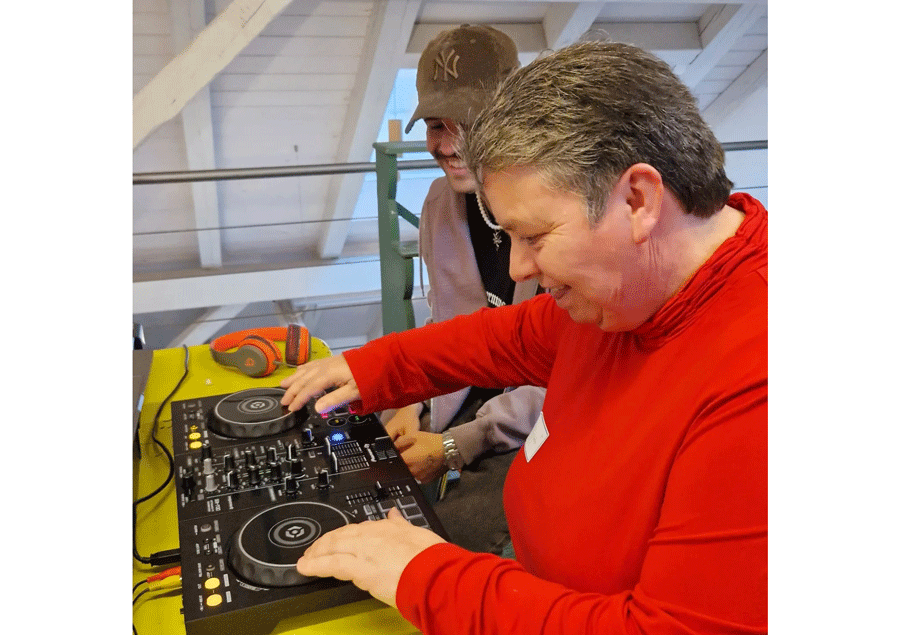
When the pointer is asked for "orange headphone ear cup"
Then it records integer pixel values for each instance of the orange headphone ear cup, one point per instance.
(250, 359)
(297, 345)
(270, 355)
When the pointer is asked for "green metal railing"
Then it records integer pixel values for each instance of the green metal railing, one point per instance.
(396, 255)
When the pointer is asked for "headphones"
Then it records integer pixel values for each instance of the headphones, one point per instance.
(256, 354)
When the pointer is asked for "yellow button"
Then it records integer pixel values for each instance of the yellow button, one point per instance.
(214, 600)
(196, 445)
(194, 435)
(193, 427)
(212, 583)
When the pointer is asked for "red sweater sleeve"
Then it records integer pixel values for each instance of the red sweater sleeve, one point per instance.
(486, 348)
(704, 572)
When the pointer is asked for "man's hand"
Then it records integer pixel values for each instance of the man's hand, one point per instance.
(371, 554)
(404, 421)
(423, 453)
(313, 378)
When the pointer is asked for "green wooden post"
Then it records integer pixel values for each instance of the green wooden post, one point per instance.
(396, 257)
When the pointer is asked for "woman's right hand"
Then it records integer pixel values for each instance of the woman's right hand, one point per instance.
(315, 377)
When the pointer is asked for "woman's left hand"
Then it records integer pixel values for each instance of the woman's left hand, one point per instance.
(371, 554)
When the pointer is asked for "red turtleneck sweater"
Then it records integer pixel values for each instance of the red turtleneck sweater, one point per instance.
(644, 510)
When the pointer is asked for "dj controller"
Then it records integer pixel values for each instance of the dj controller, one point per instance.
(256, 485)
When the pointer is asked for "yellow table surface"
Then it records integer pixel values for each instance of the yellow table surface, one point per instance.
(158, 612)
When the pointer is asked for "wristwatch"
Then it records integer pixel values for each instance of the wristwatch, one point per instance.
(452, 458)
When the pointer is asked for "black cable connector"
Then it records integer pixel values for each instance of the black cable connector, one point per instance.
(169, 556)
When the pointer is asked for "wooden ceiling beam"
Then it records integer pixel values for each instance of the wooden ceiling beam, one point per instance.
(676, 43)
(564, 23)
(754, 78)
(196, 121)
(724, 26)
(392, 23)
(220, 290)
(192, 69)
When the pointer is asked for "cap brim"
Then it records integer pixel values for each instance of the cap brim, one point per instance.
(415, 117)
(459, 105)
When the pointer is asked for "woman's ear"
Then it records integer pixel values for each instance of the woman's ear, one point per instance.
(643, 188)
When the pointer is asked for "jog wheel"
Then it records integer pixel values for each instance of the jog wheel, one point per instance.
(254, 413)
(266, 548)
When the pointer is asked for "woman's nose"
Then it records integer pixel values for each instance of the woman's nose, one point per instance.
(521, 262)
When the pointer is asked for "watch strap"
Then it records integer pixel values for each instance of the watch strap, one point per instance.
(452, 457)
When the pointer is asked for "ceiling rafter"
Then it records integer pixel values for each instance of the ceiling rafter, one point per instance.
(727, 25)
(192, 69)
(755, 77)
(196, 120)
(565, 23)
(202, 291)
(391, 25)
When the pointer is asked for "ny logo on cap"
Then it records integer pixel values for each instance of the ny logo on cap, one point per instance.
(443, 61)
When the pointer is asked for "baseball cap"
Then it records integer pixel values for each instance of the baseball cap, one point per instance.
(459, 71)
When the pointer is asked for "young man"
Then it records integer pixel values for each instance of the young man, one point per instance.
(475, 430)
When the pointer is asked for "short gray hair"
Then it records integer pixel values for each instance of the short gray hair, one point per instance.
(586, 113)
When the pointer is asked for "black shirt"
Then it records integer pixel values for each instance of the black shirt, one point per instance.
(492, 254)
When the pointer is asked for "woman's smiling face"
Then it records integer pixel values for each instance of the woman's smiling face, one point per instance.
(592, 272)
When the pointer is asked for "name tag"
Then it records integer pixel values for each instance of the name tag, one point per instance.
(536, 438)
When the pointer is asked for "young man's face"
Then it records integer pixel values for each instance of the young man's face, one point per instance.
(441, 139)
